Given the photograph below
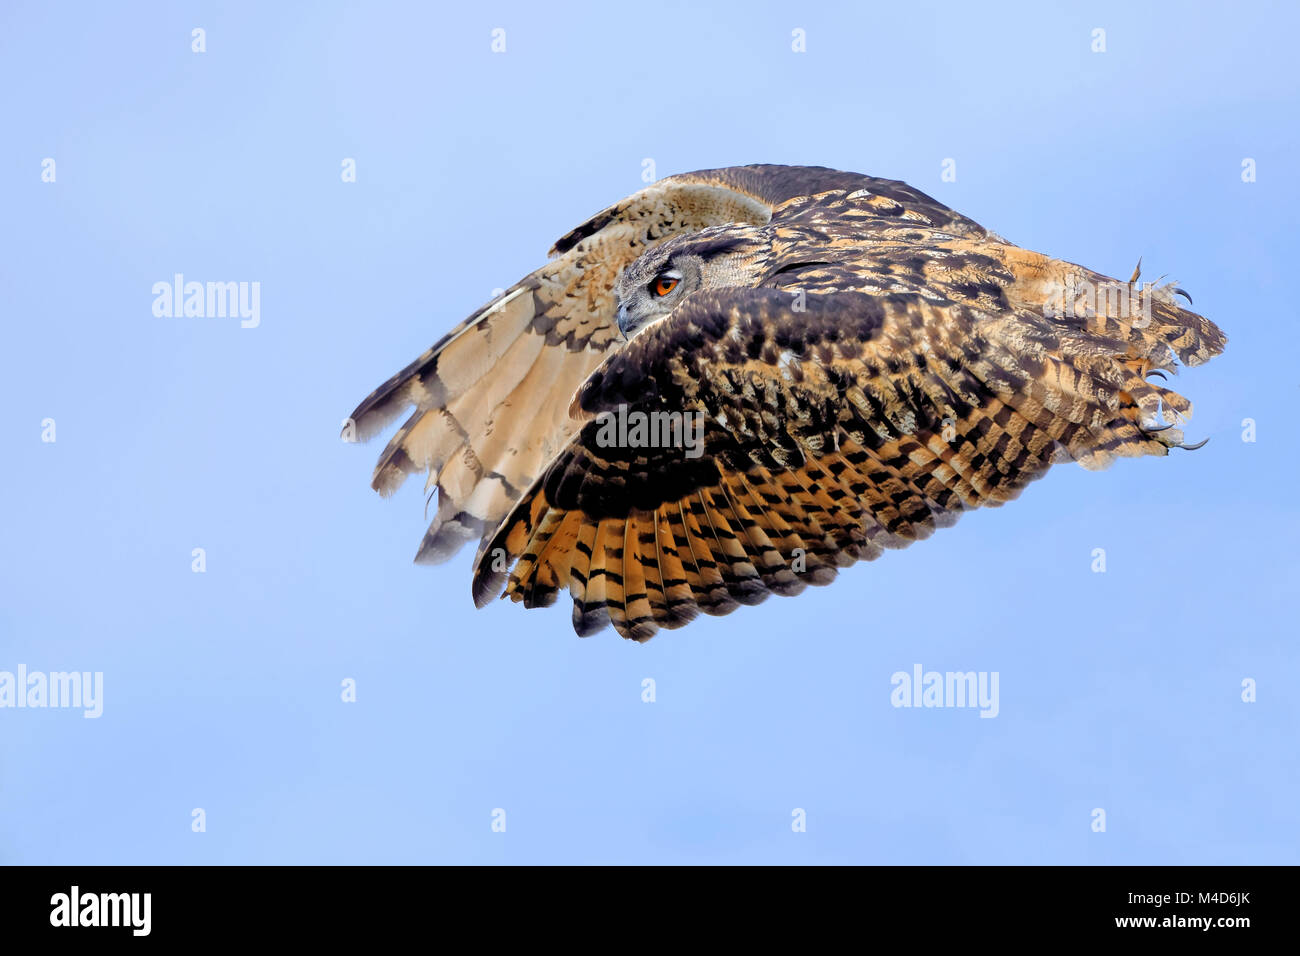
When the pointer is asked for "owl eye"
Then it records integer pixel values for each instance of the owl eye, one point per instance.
(665, 283)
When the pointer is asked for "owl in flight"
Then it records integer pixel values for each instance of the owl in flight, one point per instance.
(737, 381)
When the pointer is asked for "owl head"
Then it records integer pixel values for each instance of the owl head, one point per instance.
(657, 283)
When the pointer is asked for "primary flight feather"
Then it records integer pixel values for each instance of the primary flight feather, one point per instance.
(856, 363)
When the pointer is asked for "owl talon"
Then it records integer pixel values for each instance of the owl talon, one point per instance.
(1156, 428)
(1183, 293)
(1157, 374)
(1199, 444)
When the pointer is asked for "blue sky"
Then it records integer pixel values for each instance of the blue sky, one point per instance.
(1119, 690)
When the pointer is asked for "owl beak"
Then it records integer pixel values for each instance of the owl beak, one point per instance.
(623, 321)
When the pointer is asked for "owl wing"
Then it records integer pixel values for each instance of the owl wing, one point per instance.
(488, 401)
(836, 423)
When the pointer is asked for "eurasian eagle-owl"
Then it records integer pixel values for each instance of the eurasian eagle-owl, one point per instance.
(864, 364)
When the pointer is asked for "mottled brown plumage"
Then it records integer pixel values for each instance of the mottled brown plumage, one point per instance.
(865, 363)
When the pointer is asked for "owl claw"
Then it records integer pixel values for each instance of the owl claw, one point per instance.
(1157, 373)
(1199, 444)
(1183, 293)
(1156, 428)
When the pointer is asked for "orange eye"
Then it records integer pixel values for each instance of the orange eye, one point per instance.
(665, 284)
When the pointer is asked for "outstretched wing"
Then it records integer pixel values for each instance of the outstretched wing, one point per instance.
(837, 423)
(490, 398)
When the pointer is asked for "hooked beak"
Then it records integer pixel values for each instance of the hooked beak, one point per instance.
(623, 320)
